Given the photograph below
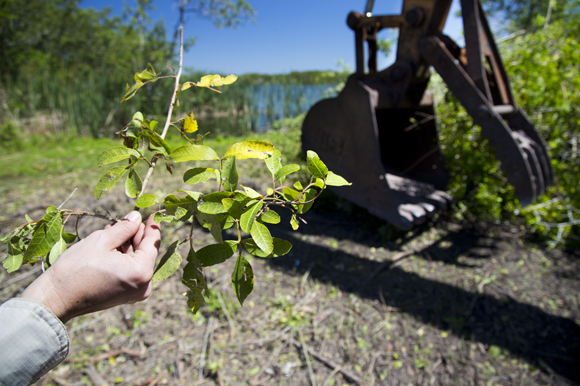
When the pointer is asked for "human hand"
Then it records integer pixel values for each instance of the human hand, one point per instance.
(94, 275)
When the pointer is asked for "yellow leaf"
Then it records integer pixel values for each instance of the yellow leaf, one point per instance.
(187, 85)
(229, 79)
(250, 149)
(206, 81)
(216, 80)
(190, 124)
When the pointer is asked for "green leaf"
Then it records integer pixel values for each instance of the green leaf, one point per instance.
(193, 153)
(157, 142)
(315, 165)
(262, 237)
(116, 154)
(205, 219)
(45, 235)
(168, 264)
(336, 180)
(270, 217)
(250, 149)
(132, 91)
(230, 221)
(235, 207)
(135, 124)
(229, 174)
(212, 203)
(281, 247)
(242, 279)
(309, 195)
(172, 203)
(181, 214)
(169, 166)
(192, 194)
(69, 237)
(248, 217)
(319, 183)
(146, 200)
(298, 186)
(147, 74)
(251, 192)
(274, 162)
(217, 253)
(12, 262)
(216, 229)
(56, 251)
(110, 178)
(290, 194)
(195, 175)
(133, 184)
(286, 170)
(294, 222)
(194, 280)
(159, 217)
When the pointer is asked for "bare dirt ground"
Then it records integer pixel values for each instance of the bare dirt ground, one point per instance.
(352, 304)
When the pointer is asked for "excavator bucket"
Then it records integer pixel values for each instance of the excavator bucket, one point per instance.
(380, 132)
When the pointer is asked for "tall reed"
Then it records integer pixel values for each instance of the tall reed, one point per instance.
(77, 103)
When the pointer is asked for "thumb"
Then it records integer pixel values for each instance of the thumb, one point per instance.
(122, 231)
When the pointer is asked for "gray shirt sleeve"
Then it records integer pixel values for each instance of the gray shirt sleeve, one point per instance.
(32, 342)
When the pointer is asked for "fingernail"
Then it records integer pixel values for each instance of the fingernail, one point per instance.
(133, 216)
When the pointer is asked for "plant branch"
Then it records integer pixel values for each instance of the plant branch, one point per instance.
(169, 112)
(80, 214)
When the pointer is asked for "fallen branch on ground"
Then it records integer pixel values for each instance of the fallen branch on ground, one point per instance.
(330, 364)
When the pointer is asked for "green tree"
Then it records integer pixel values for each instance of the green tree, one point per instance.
(531, 14)
(543, 67)
(67, 36)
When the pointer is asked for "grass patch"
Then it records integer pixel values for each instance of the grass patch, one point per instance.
(46, 156)
(41, 158)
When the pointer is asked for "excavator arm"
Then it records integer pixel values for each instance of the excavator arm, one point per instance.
(380, 132)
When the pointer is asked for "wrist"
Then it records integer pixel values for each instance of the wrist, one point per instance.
(43, 291)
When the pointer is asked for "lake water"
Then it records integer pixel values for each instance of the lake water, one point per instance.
(266, 104)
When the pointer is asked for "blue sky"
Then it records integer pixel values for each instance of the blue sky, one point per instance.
(297, 35)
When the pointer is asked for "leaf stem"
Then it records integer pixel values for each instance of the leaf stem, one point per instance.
(169, 112)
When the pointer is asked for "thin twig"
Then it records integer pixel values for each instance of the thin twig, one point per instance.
(94, 376)
(20, 277)
(208, 331)
(305, 351)
(330, 364)
(81, 213)
(228, 316)
(304, 279)
(64, 202)
(332, 374)
(105, 356)
(389, 262)
(271, 359)
(169, 112)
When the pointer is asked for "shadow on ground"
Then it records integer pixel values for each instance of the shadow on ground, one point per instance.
(546, 341)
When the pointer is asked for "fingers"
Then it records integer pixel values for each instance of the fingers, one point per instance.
(149, 244)
(122, 231)
(138, 237)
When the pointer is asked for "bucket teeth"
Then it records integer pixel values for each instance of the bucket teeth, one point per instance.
(518, 145)
(533, 144)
